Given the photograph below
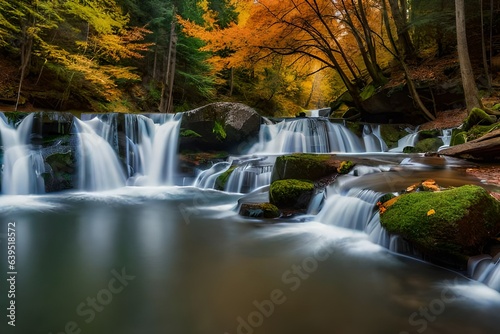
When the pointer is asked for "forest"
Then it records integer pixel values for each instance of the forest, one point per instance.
(279, 57)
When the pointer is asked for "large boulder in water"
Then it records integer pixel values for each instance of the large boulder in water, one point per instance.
(220, 126)
(305, 166)
(291, 193)
(446, 226)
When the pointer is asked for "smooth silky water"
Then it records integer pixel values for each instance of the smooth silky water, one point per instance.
(178, 259)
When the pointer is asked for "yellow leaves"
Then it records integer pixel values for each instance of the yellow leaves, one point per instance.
(431, 212)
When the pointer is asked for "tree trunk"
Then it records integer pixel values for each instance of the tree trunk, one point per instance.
(483, 45)
(26, 48)
(397, 53)
(166, 100)
(470, 89)
(404, 38)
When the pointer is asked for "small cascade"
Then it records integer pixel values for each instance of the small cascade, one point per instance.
(22, 164)
(356, 209)
(349, 208)
(373, 139)
(152, 148)
(408, 140)
(308, 135)
(206, 179)
(314, 113)
(485, 269)
(99, 167)
(446, 138)
(249, 176)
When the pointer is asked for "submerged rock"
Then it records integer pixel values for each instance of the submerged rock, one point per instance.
(446, 226)
(259, 210)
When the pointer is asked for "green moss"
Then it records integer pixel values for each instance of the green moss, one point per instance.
(409, 149)
(291, 193)
(496, 107)
(477, 116)
(428, 145)
(462, 221)
(480, 130)
(458, 137)
(345, 167)
(189, 133)
(386, 197)
(303, 165)
(259, 210)
(221, 181)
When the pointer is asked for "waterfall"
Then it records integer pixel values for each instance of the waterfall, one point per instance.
(485, 269)
(152, 148)
(373, 139)
(247, 177)
(206, 179)
(98, 164)
(446, 138)
(22, 164)
(355, 209)
(309, 135)
(409, 140)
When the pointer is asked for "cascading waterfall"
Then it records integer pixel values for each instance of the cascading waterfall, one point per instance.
(373, 139)
(446, 138)
(152, 148)
(308, 135)
(98, 167)
(409, 140)
(355, 209)
(247, 177)
(485, 269)
(22, 164)
(206, 179)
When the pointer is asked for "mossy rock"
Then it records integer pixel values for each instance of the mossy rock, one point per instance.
(345, 167)
(478, 116)
(221, 181)
(291, 193)
(478, 131)
(259, 210)
(496, 107)
(304, 166)
(428, 145)
(409, 149)
(446, 225)
(189, 133)
(458, 137)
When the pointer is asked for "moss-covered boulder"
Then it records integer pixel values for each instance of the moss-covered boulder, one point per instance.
(345, 167)
(478, 116)
(391, 134)
(259, 210)
(447, 226)
(291, 193)
(304, 166)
